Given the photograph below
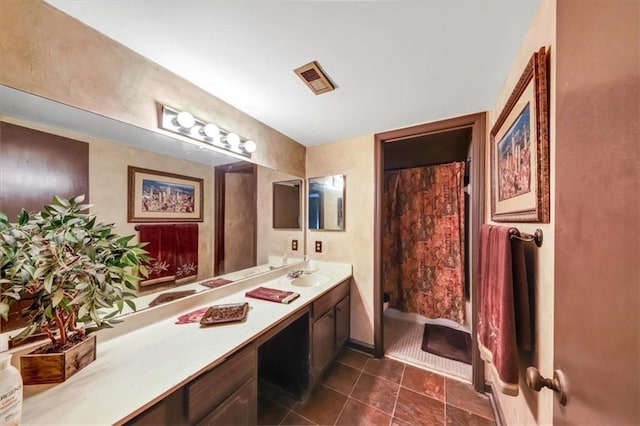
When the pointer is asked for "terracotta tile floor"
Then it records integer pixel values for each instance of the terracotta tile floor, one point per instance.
(359, 390)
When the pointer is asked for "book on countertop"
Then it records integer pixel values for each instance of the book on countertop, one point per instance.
(273, 295)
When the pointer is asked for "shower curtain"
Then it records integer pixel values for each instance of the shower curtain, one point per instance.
(423, 240)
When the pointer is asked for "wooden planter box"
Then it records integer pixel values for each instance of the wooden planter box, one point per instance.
(37, 369)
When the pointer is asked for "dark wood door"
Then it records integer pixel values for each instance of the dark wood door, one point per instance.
(323, 342)
(235, 237)
(597, 249)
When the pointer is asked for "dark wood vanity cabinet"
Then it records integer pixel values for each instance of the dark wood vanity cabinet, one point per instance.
(292, 355)
(330, 328)
(224, 395)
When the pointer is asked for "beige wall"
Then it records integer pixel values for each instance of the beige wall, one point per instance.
(354, 159)
(529, 408)
(47, 53)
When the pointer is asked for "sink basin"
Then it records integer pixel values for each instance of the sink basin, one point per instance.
(310, 280)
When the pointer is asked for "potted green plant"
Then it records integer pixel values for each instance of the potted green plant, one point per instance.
(72, 270)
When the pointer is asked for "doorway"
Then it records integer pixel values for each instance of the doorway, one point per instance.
(459, 141)
(235, 217)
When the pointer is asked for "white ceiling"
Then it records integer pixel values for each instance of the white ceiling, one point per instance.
(396, 63)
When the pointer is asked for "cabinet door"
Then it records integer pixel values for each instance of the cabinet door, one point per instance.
(240, 408)
(210, 389)
(323, 342)
(343, 325)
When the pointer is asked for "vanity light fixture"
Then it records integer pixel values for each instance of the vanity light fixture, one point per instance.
(185, 120)
(205, 135)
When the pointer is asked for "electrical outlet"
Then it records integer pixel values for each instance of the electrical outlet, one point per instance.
(318, 246)
(294, 245)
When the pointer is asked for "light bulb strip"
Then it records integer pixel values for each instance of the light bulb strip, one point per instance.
(239, 145)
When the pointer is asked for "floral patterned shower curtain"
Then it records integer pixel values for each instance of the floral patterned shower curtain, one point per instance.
(423, 240)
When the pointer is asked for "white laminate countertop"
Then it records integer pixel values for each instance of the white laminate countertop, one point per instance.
(134, 370)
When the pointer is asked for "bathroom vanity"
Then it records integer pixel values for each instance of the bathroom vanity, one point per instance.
(150, 370)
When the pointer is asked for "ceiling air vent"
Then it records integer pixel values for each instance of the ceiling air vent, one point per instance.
(315, 78)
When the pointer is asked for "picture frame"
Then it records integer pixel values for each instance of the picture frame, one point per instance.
(520, 149)
(156, 196)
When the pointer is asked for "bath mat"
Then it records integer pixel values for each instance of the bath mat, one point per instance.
(447, 342)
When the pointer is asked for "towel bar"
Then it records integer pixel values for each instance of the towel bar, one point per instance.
(536, 237)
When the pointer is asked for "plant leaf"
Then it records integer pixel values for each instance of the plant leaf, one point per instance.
(48, 282)
(4, 311)
(23, 218)
(57, 297)
(131, 304)
(61, 201)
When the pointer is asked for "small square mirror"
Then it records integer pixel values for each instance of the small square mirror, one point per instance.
(286, 204)
(326, 203)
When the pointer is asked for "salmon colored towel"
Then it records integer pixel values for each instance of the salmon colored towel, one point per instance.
(504, 321)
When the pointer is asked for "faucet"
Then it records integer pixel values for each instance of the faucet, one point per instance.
(295, 274)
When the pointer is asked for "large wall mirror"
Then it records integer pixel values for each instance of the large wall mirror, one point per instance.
(104, 148)
(287, 197)
(326, 203)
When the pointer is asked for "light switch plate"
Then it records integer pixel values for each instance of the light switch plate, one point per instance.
(318, 246)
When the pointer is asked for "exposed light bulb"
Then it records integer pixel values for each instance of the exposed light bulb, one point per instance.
(249, 146)
(233, 140)
(211, 130)
(185, 119)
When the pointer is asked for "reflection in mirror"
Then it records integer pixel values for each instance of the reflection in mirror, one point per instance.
(326, 203)
(286, 204)
(103, 149)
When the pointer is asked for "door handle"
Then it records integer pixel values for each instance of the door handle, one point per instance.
(558, 384)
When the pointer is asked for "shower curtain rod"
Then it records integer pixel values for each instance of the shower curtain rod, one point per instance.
(468, 161)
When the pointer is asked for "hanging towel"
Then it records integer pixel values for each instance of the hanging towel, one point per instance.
(186, 251)
(162, 248)
(503, 315)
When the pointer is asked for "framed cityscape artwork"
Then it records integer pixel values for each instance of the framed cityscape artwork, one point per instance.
(520, 149)
(155, 196)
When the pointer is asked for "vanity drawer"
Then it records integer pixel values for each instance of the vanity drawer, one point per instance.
(329, 300)
(208, 391)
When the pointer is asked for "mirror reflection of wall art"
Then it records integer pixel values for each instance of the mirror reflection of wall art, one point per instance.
(520, 149)
(155, 196)
(286, 204)
(326, 203)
